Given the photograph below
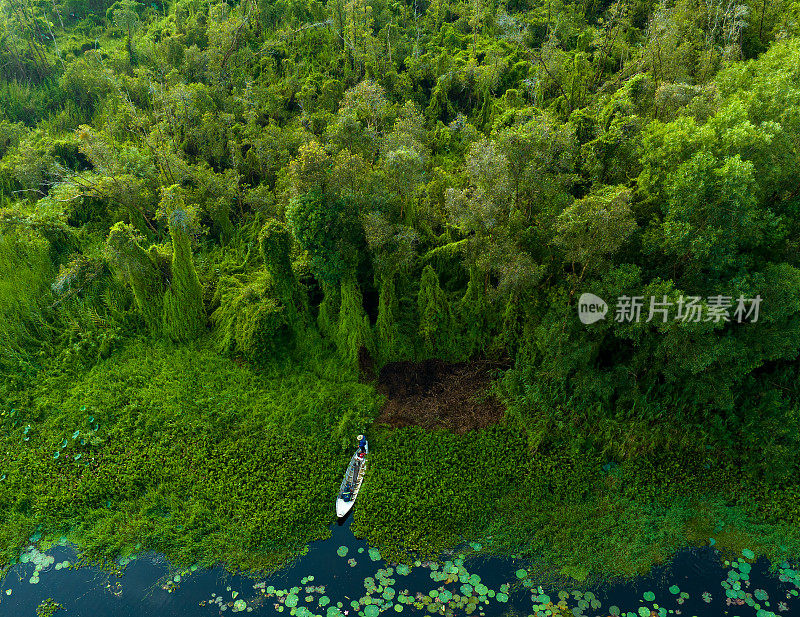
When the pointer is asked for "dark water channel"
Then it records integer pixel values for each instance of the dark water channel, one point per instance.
(330, 582)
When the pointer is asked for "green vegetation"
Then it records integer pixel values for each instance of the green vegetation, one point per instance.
(179, 450)
(217, 217)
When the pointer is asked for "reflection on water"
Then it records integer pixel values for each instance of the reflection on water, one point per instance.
(343, 576)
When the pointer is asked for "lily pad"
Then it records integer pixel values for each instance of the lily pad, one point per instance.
(342, 551)
(372, 611)
(748, 553)
(522, 573)
(291, 600)
(675, 590)
(649, 596)
(374, 555)
(502, 597)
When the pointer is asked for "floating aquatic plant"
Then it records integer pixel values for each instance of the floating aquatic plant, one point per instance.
(649, 596)
(342, 551)
(748, 553)
(371, 611)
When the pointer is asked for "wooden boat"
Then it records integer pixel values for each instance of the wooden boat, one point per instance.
(353, 478)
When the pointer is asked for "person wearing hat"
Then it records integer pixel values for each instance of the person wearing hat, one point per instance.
(362, 444)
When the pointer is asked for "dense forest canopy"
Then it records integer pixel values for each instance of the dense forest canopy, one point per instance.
(406, 180)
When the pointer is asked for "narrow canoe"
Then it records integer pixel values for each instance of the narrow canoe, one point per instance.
(355, 475)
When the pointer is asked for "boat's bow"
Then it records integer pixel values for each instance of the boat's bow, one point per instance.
(343, 507)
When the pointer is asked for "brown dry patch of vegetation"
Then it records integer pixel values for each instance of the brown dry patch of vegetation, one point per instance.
(438, 395)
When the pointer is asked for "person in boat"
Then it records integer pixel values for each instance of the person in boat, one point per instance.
(347, 493)
(362, 444)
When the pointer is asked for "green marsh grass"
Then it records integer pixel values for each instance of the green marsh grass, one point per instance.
(187, 453)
